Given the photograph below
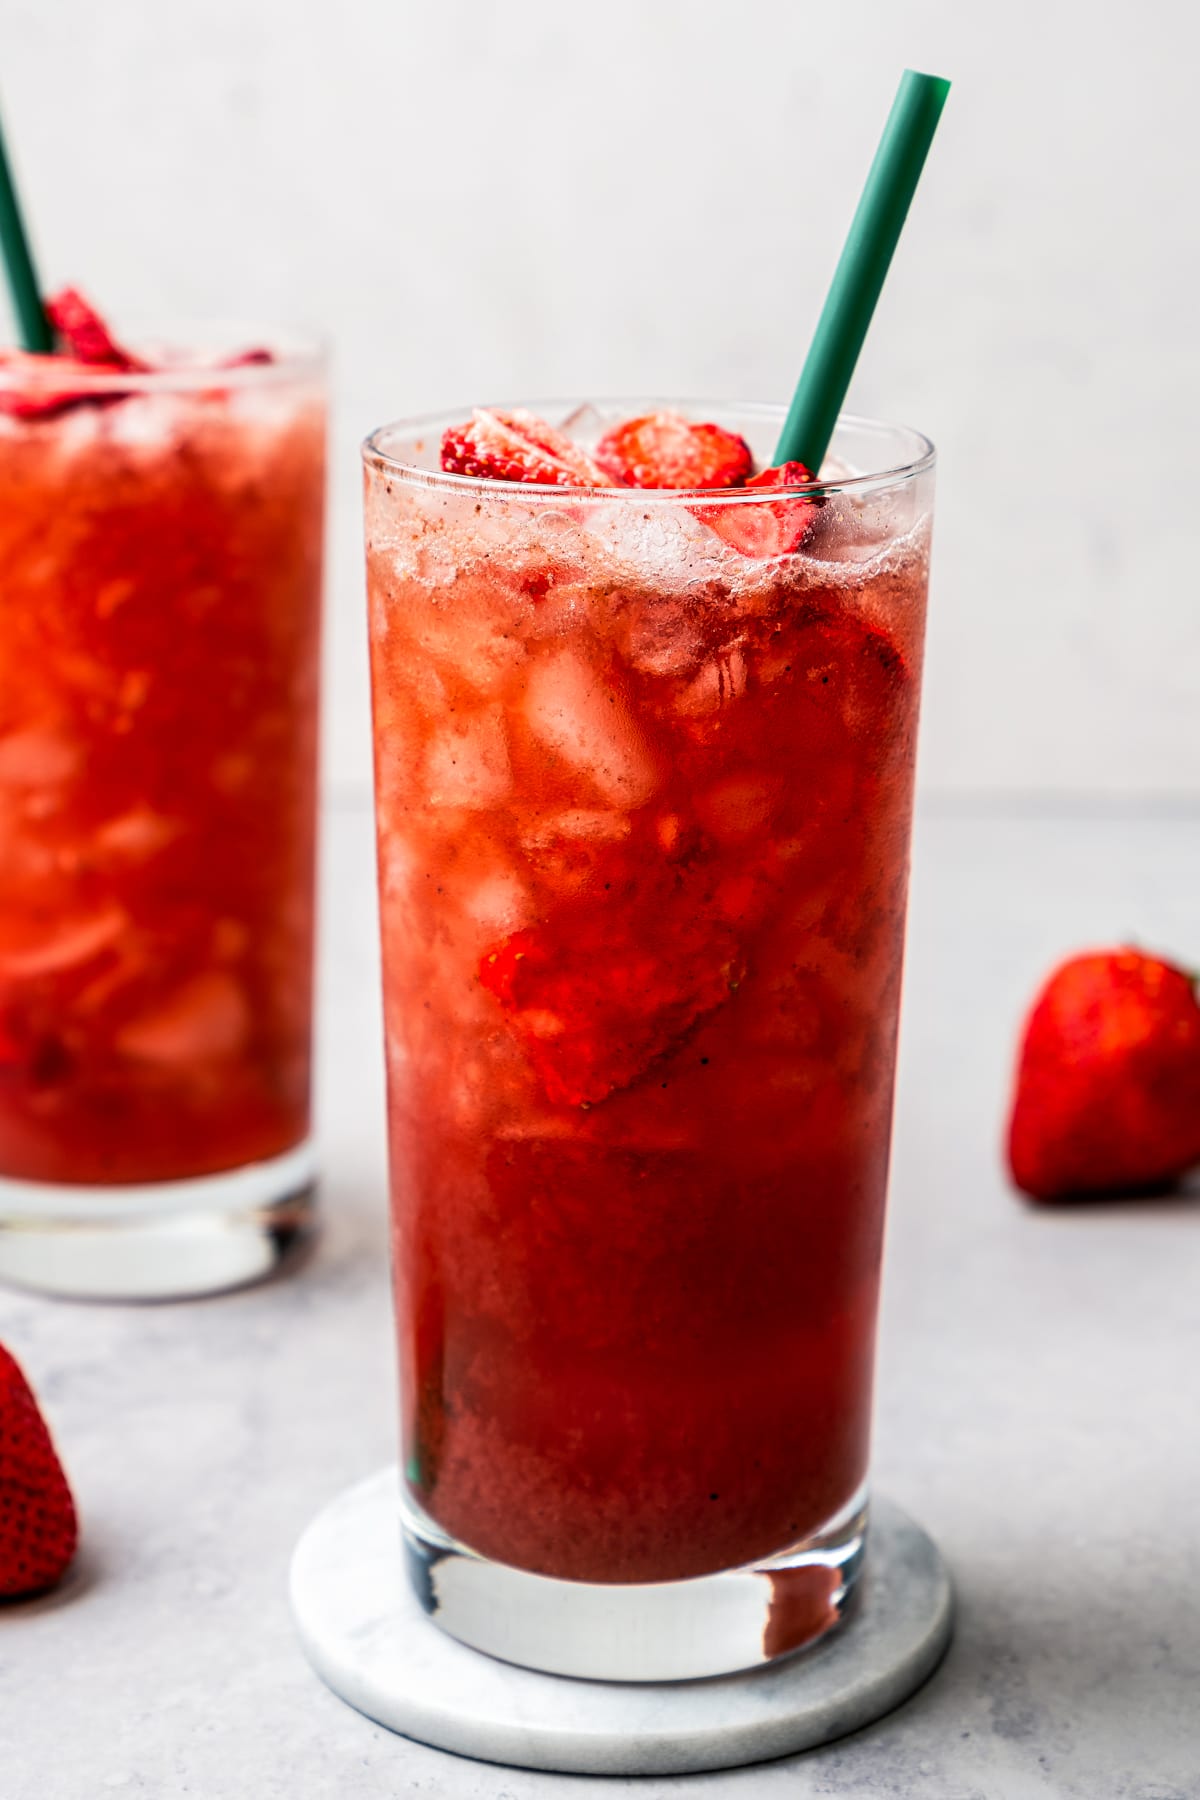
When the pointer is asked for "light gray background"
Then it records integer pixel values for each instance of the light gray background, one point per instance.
(476, 200)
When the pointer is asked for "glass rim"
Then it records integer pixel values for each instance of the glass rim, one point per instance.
(374, 455)
(295, 355)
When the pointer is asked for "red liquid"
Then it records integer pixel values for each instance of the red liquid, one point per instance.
(643, 858)
(158, 690)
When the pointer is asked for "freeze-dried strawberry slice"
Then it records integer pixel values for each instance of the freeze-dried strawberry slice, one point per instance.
(85, 334)
(42, 387)
(245, 359)
(668, 450)
(36, 397)
(49, 385)
(767, 529)
(596, 997)
(517, 446)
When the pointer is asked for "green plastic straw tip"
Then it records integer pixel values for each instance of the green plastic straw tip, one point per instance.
(32, 322)
(863, 267)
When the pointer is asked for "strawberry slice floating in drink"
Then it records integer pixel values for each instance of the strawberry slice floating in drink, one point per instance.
(259, 357)
(517, 446)
(661, 450)
(86, 336)
(775, 528)
(669, 450)
(602, 992)
(46, 385)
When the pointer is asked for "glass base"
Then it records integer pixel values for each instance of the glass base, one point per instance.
(159, 1240)
(370, 1640)
(653, 1631)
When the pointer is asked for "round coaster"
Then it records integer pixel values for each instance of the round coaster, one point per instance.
(366, 1635)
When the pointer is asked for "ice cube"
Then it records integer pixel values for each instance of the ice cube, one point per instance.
(206, 1018)
(39, 756)
(397, 868)
(663, 635)
(567, 848)
(115, 972)
(532, 1124)
(719, 681)
(663, 544)
(739, 806)
(500, 902)
(578, 823)
(136, 835)
(834, 469)
(148, 422)
(69, 943)
(585, 426)
(230, 939)
(399, 1056)
(856, 528)
(466, 762)
(113, 595)
(473, 639)
(577, 713)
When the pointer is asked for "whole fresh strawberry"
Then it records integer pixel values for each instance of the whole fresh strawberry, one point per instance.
(1108, 1079)
(38, 1527)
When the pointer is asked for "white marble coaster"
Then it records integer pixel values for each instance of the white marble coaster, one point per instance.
(365, 1634)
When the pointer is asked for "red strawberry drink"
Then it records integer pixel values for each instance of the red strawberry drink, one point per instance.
(160, 530)
(644, 772)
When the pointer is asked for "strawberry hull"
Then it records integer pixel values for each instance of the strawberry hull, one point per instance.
(643, 839)
(158, 692)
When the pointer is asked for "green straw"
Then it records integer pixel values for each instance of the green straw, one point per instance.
(860, 274)
(32, 322)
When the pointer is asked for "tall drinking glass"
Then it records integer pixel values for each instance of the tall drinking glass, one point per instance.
(160, 542)
(643, 799)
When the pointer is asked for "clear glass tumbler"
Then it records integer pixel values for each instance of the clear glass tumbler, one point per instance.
(161, 541)
(643, 785)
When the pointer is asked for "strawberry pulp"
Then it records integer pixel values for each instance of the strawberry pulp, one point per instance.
(643, 811)
(158, 687)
